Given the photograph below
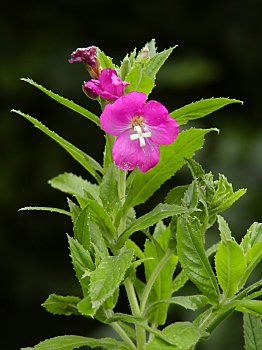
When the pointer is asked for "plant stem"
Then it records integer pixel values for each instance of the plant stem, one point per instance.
(153, 278)
(120, 331)
(140, 332)
(131, 294)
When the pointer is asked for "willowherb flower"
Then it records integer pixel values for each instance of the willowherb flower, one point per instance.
(88, 56)
(109, 86)
(140, 128)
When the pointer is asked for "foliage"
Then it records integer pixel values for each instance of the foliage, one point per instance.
(105, 257)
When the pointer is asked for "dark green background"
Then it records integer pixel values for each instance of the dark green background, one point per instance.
(219, 54)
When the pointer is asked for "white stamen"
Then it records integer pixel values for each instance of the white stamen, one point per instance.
(140, 135)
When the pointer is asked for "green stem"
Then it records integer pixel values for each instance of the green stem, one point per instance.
(153, 278)
(120, 331)
(131, 294)
(140, 332)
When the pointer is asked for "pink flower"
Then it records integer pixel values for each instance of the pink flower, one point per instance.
(88, 56)
(109, 86)
(140, 128)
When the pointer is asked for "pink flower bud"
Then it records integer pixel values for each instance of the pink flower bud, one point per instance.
(88, 56)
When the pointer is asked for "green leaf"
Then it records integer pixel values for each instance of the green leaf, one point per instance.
(102, 219)
(76, 186)
(175, 195)
(172, 157)
(200, 109)
(104, 60)
(70, 342)
(138, 80)
(91, 165)
(182, 336)
(85, 307)
(109, 190)
(162, 287)
(224, 196)
(108, 276)
(161, 211)
(153, 64)
(193, 258)
(61, 305)
(253, 236)
(196, 169)
(82, 229)
(67, 103)
(52, 210)
(191, 302)
(182, 278)
(224, 229)
(230, 265)
(253, 307)
(81, 261)
(252, 332)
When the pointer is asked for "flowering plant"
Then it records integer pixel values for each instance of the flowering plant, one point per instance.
(143, 149)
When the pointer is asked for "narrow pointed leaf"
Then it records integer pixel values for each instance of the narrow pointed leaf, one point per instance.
(253, 307)
(52, 210)
(193, 258)
(64, 101)
(70, 342)
(91, 165)
(161, 211)
(200, 109)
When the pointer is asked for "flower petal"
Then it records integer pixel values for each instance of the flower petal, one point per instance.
(117, 116)
(128, 154)
(154, 113)
(164, 133)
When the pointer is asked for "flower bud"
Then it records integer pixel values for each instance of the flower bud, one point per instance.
(88, 56)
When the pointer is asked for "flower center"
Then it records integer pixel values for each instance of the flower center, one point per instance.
(140, 135)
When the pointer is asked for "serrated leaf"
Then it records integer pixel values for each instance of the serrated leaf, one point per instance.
(108, 276)
(253, 307)
(161, 211)
(76, 186)
(162, 287)
(153, 64)
(224, 196)
(64, 101)
(252, 332)
(138, 80)
(200, 109)
(91, 165)
(182, 278)
(196, 169)
(70, 342)
(81, 261)
(230, 265)
(253, 235)
(182, 336)
(85, 307)
(61, 305)
(104, 60)
(172, 157)
(109, 190)
(193, 258)
(82, 229)
(175, 195)
(191, 302)
(224, 229)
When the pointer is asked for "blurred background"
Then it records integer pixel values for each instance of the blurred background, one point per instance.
(219, 54)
